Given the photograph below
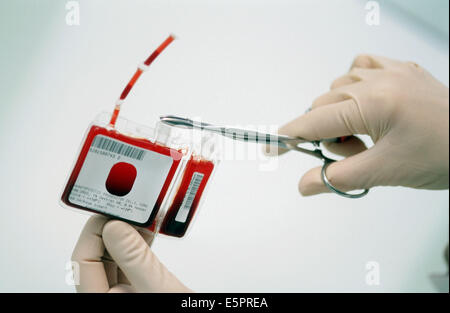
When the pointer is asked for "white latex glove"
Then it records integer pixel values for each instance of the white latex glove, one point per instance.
(126, 265)
(401, 107)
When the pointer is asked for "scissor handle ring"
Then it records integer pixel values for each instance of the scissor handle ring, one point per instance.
(334, 189)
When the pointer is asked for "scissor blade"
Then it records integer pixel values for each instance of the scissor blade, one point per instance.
(177, 121)
(248, 135)
(245, 135)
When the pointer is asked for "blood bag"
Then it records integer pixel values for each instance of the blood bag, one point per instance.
(151, 177)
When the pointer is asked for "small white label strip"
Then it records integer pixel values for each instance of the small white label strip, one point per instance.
(114, 146)
(189, 197)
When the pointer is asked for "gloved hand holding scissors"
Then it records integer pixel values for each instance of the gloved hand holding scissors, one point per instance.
(115, 257)
(401, 107)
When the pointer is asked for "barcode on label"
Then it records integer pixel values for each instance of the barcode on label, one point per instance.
(114, 146)
(189, 197)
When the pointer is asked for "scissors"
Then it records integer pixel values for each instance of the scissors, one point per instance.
(282, 141)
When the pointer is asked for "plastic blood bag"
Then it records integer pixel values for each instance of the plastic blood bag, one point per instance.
(184, 205)
(149, 177)
(120, 175)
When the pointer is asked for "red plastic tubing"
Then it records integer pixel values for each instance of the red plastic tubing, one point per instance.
(136, 76)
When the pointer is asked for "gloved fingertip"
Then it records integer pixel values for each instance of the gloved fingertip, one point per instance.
(309, 190)
(305, 192)
(114, 229)
(90, 245)
(120, 238)
(311, 183)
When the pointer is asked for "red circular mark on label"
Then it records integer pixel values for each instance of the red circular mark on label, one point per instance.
(121, 179)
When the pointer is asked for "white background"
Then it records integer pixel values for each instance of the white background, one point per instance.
(235, 62)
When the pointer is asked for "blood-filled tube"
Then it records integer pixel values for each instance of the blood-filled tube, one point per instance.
(141, 68)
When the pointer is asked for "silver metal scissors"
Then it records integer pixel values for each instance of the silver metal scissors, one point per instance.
(282, 141)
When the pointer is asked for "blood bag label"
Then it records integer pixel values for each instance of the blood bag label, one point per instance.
(188, 199)
(114, 146)
(120, 179)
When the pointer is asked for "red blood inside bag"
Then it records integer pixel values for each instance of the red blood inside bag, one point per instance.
(139, 181)
(187, 198)
(114, 181)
